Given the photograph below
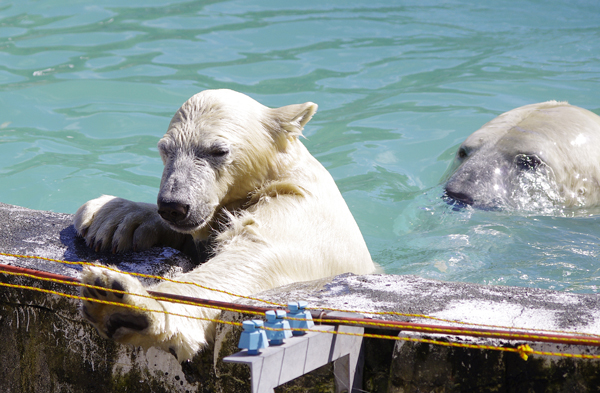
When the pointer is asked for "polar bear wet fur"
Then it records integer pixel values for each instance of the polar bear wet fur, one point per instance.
(546, 153)
(237, 179)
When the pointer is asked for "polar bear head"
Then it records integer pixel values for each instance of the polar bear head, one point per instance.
(532, 157)
(220, 146)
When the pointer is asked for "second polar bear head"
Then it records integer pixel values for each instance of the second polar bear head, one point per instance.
(220, 146)
(536, 157)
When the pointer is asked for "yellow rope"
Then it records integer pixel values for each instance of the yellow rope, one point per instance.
(517, 336)
(400, 314)
(83, 263)
(393, 313)
(80, 284)
(113, 303)
(449, 330)
(523, 350)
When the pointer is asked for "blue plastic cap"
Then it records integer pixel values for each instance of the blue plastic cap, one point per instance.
(299, 318)
(249, 326)
(271, 315)
(282, 331)
(253, 337)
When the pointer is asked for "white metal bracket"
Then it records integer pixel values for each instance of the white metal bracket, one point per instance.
(299, 355)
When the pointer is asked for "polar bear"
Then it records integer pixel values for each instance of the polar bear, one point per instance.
(237, 181)
(535, 156)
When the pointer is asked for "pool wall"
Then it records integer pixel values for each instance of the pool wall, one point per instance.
(48, 347)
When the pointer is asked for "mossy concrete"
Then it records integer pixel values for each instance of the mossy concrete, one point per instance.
(47, 347)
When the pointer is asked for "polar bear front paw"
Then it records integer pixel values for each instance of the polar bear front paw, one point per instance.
(115, 224)
(128, 318)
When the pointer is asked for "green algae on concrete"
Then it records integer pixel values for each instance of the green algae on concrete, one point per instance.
(47, 347)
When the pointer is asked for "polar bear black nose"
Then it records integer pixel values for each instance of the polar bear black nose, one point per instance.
(453, 197)
(173, 211)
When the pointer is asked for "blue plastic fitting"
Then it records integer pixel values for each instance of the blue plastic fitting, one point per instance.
(275, 321)
(253, 337)
(299, 317)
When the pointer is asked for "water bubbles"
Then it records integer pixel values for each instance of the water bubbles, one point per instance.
(536, 192)
(533, 242)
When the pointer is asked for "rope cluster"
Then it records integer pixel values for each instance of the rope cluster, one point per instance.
(523, 350)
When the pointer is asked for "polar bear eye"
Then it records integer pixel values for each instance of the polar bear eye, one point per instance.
(219, 151)
(462, 153)
(528, 162)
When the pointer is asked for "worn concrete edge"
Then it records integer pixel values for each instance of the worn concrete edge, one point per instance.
(503, 307)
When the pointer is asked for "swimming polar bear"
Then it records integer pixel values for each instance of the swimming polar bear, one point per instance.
(546, 153)
(239, 181)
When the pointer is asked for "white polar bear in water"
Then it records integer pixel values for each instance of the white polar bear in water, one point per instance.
(239, 181)
(535, 156)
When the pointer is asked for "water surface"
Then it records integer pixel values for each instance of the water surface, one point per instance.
(87, 89)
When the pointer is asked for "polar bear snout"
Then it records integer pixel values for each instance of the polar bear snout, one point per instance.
(182, 216)
(481, 182)
(173, 212)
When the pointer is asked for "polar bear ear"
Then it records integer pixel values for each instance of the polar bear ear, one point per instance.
(292, 118)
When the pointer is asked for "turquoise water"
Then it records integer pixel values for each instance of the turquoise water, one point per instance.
(87, 89)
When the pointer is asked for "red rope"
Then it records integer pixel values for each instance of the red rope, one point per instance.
(319, 316)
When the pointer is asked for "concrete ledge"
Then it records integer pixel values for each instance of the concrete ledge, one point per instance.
(407, 366)
(47, 347)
